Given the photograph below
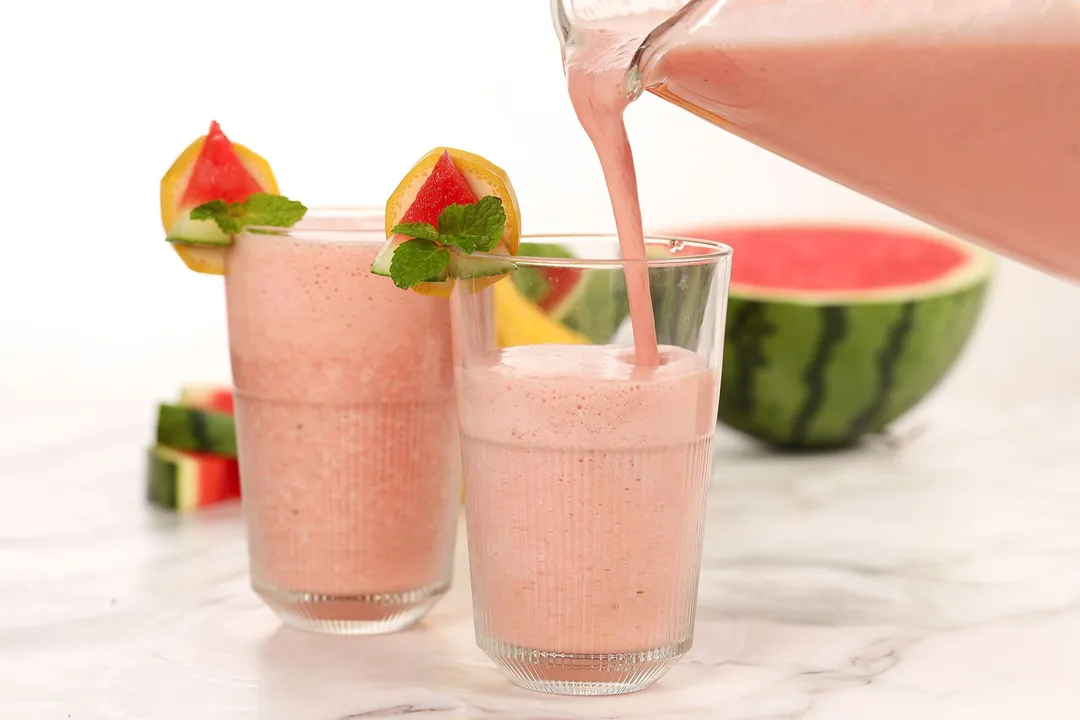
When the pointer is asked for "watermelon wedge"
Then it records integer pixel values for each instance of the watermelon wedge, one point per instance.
(181, 476)
(546, 286)
(590, 304)
(444, 186)
(218, 173)
(182, 481)
(594, 303)
(835, 332)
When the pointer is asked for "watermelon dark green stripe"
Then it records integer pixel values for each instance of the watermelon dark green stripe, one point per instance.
(747, 331)
(206, 431)
(887, 361)
(805, 375)
(833, 329)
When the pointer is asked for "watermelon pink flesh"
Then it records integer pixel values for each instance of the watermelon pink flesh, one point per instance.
(218, 173)
(444, 186)
(824, 259)
(222, 401)
(207, 398)
(219, 478)
(560, 283)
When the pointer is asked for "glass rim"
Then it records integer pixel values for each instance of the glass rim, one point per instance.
(359, 213)
(714, 252)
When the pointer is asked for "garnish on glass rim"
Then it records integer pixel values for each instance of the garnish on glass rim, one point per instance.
(259, 209)
(212, 167)
(426, 257)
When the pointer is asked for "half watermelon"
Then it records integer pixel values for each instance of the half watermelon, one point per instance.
(835, 332)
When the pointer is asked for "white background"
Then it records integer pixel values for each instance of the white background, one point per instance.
(97, 98)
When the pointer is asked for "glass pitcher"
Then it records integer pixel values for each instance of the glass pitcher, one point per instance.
(962, 113)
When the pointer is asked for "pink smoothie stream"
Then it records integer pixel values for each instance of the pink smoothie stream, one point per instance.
(586, 496)
(595, 80)
(346, 431)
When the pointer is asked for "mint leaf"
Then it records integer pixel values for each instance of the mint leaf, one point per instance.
(272, 210)
(426, 257)
(482, 222)
(416, 261)
(207, 211)
(465, 243)
(258, 209)
(423, 231)
(226, 216)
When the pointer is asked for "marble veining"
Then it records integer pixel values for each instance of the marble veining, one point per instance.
(937, 576)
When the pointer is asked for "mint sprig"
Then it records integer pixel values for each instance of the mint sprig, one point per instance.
(420, 231)
(259, 209)
(468, 228)
(418, 260)
(481, 223)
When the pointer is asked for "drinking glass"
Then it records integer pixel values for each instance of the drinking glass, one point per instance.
(345, 425)
(585, 472)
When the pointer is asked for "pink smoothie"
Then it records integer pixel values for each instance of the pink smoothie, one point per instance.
(585, 498)
(345, 419)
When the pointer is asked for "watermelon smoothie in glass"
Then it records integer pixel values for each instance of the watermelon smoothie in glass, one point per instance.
(345, 426)
(585, 471)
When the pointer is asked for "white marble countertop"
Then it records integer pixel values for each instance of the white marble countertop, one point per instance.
(934, 575)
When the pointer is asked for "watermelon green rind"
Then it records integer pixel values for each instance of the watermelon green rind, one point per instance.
(181, 481)
(196, 430)
(163, 486)
(597, 306)
(821, 370)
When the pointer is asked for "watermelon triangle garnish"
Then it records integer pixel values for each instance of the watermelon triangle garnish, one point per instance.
(218, 173)
(446, 185)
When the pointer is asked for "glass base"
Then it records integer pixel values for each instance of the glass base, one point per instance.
(574, 674)
(373, 614)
